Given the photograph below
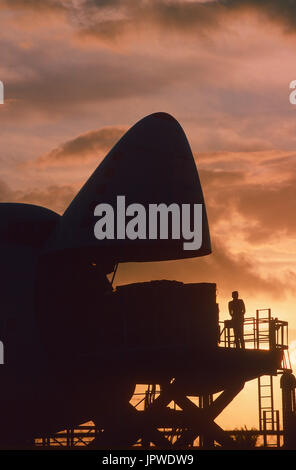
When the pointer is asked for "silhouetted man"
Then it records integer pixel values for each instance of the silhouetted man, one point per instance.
(237, 310)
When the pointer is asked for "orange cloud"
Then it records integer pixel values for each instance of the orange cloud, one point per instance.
(229, 271)
(83, 148)
(55, 197)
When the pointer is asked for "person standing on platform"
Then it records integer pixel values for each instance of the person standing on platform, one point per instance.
(237, 311)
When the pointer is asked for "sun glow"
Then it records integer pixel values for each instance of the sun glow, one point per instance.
(292, 351)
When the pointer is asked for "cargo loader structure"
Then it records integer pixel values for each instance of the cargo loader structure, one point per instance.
(181, 356)
(188, 361)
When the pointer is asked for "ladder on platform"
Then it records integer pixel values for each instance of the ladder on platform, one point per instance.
(270, 334)
(269, 420)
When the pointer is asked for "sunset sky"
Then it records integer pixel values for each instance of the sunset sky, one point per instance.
(78, 73)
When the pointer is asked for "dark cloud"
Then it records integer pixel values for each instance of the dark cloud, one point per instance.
(110, 19)
(283, 11)
(135, 17)
(84, 147)
(37, 5)
(55, 87)
(184, 16)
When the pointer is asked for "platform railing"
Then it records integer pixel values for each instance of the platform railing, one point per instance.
(263, 332)
(260, 332)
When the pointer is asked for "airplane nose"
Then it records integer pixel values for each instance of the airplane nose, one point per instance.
(151, 164)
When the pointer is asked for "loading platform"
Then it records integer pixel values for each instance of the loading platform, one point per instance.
(181, 413)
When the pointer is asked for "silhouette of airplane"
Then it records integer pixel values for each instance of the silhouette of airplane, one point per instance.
(69, 355)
